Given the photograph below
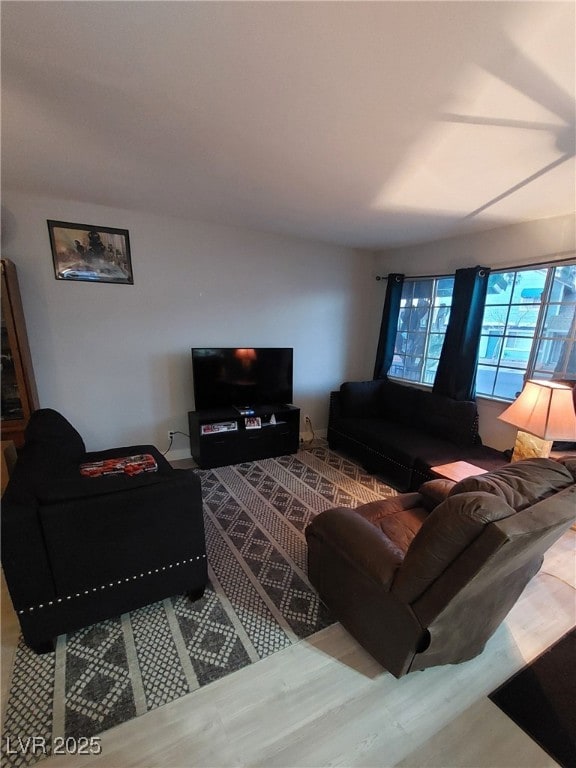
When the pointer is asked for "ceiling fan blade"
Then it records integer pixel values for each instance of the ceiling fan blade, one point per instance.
(498, 122)
(514, 67)
(523, 183)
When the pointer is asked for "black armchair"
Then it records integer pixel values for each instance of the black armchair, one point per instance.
(77, 550)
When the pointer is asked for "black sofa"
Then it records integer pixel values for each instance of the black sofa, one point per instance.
(77, 550)
(399, 432)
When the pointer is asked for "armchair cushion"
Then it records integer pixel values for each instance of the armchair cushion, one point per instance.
(354, 539)
(445, 533)
(399, 518)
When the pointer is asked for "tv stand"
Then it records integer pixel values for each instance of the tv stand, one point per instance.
(223, 436)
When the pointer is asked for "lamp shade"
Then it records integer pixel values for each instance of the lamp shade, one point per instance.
(544, 409)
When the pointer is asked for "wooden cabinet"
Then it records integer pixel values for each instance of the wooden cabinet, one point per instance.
(19, 395)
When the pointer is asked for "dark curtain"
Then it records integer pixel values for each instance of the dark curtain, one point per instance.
(456, 373)
(389, 325)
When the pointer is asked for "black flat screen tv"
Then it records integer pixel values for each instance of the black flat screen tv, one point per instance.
(242, 377)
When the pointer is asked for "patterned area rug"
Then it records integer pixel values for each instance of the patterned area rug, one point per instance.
(258, 601)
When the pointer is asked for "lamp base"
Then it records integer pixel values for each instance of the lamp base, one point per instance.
(530, 447)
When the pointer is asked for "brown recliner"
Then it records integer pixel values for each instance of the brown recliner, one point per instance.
(426, 578)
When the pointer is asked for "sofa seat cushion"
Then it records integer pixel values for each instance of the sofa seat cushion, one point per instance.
(382, 436)
(443, 452)
(520, 484)
(409, 450)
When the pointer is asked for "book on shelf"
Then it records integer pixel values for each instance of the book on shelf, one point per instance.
(218, 426)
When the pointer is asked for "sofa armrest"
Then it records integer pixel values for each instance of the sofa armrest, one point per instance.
(434, 492)
(357, 541)
(24, 556)
(335, 408)
(164, 466)
(100, 539)
(569, 462)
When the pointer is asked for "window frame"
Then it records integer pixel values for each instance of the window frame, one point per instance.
(428, 332)
(531, 369)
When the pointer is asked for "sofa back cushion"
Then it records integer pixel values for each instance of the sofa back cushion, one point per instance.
(442, 417)
(447, 531)
(453, 420)
(50, 431)
(361, 399)
(380, 399)
(52, 447)
(520, 484)
(400, 403)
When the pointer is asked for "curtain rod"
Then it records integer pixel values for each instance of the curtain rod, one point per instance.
(569, 258)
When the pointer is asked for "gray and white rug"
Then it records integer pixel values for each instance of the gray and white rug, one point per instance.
(258, 601)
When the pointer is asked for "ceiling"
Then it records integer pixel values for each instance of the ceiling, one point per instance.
(367, 124)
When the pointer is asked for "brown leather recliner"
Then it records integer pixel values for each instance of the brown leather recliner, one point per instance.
(426, 578)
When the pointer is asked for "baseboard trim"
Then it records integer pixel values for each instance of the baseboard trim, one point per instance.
(177, 454)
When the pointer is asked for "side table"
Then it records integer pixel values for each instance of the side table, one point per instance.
(458, 470)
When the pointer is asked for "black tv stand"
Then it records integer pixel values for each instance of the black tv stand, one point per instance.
(223, 436)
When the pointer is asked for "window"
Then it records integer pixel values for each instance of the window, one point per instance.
(424, 312)
(528, 330)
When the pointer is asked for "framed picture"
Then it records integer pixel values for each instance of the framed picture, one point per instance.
(93, 254)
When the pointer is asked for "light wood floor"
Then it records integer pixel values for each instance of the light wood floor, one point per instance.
(325, 702)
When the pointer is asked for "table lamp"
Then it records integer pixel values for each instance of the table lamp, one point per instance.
(543, 412)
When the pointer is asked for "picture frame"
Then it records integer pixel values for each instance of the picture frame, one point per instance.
(89, 253)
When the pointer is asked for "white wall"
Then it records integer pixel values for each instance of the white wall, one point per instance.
(115, 359)
(509, 246)
(514, 245)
